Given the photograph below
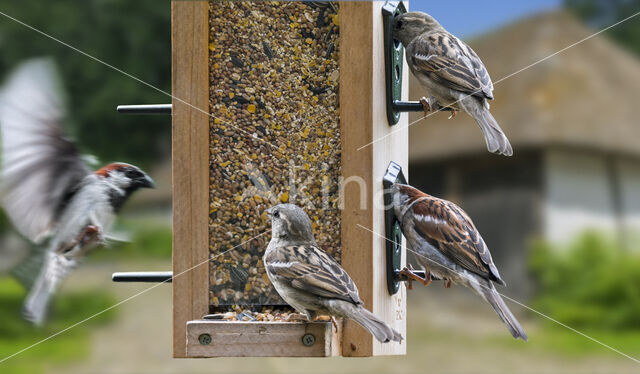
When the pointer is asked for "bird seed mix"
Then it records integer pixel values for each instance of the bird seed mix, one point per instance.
(274, 135)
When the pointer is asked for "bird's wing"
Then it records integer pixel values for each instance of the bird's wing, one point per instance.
(310, 269)
(448, 228)
(41, 169)
(452, 63)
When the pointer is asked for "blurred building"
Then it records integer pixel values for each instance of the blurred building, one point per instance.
(573, 125)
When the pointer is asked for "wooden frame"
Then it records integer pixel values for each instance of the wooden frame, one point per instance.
(190, 166)
(362, 120)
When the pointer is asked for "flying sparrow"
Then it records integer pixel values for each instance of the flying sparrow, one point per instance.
(448, 245)
(451, 72)
(48, 192)
(310, 280)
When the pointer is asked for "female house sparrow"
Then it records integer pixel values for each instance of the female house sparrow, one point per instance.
(310, 280)
(449, 246)
(46, 189)
(451, 72)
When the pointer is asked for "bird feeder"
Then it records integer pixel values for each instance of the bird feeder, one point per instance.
(278, 102)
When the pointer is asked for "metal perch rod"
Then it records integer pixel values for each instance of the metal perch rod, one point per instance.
(143, 276)
(413, 106)
(420, 273)
(145, 109)
(167, 276)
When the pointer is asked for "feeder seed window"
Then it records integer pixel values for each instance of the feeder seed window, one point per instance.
(274, 75)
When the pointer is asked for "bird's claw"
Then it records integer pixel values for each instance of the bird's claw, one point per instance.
(334, 323)
(91, 234)
(453, 114)
(407, 271)
(447, 284)
(426, 105)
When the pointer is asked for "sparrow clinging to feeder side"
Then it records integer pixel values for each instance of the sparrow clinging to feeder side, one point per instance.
(310, 280)
(451, 72)
(448, 245)
(46, 189)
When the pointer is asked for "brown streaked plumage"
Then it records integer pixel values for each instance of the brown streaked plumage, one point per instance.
(447, 227)
(451, 72)
(448, 245)
(310, 280)
(310, 269)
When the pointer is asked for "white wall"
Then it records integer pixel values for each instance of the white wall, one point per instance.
(578, 195)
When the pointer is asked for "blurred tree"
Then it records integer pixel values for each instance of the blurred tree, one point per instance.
(133, 36)
(602, 13)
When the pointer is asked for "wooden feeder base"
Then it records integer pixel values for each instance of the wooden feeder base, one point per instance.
(262, 339)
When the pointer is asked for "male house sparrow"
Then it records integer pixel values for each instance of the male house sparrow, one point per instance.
(449, 246)
(46, 189)
(310, 280)
(451, 72)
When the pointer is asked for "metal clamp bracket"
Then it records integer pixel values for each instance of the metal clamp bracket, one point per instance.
(393, 53)
(392, 231)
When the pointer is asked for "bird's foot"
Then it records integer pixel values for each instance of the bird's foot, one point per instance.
(453, 114)
(90, 234)
(79, 246)
(426, 105)
(296, 317)
(334, 323)
(407, 271)
(447, 284)
(327, 318)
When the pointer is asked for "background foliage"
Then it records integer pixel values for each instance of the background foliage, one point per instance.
(602, 13)
(591, 284)
(133, 36)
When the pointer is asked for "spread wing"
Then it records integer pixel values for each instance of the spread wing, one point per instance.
(450, 62)
(40, 168)
(310, 269)
(448, 228)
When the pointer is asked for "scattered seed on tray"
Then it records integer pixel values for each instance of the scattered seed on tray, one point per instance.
(266, 314)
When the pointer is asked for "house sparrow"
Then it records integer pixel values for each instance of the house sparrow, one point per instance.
(448, 245)
(310, 280)
(48, 192)
(451, 72)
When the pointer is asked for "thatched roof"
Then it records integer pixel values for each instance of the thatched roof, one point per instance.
(587, 96)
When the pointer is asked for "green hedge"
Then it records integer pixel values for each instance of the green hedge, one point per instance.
(593, 283)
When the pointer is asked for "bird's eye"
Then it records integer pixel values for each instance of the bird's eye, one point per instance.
(131, 174)
(399, 24)
(276, 213)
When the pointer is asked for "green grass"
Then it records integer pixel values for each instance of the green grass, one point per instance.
(68, 309)
(558, 340)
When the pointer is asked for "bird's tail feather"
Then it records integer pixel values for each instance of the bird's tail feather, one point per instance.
(491, 295)
(382, 331)
(54, 270)
(496, 140)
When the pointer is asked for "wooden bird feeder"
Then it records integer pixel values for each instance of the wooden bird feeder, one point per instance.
(273, 102)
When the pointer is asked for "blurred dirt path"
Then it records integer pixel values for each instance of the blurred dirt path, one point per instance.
(446, 339)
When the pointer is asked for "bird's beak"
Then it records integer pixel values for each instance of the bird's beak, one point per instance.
(269, 211)
(145, 182)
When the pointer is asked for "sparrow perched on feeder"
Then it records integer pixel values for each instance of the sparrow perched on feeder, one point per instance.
(310, 280)
(451, 72)
(48, 192)
(448, 245)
